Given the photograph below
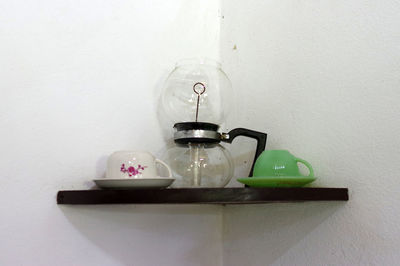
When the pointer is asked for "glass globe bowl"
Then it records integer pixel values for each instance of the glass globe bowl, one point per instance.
(179, 99)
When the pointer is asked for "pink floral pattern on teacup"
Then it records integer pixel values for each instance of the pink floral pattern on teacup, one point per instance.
(132, 171)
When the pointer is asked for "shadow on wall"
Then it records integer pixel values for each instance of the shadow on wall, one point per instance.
(261, 234)
(151, 234)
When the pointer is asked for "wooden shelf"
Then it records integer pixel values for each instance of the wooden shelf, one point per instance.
(201, 195)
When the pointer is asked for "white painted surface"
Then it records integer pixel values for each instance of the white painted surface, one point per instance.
(79, 80)
(323, 79)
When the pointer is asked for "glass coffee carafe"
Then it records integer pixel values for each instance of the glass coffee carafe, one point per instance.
(196, 98)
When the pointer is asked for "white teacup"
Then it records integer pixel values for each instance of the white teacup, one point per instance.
(133, 164)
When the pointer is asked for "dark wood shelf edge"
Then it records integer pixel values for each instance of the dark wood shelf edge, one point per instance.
(201, 196)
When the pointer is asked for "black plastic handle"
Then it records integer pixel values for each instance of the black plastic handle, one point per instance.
(259, 136)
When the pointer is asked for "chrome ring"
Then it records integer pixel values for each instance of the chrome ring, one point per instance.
(197, 133)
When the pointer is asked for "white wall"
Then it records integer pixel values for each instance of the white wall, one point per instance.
(79, 80)
(323, 79)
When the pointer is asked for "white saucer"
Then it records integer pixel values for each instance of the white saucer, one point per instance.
(157, 182)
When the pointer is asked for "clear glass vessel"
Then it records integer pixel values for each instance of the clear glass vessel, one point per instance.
(179, 100)
(199, 165)
(196, 98)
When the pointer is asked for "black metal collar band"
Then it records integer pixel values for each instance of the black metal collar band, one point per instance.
(197, 136)
(196, 125)
(196, 132)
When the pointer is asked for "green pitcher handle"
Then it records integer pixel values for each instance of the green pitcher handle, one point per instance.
(311, 174)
